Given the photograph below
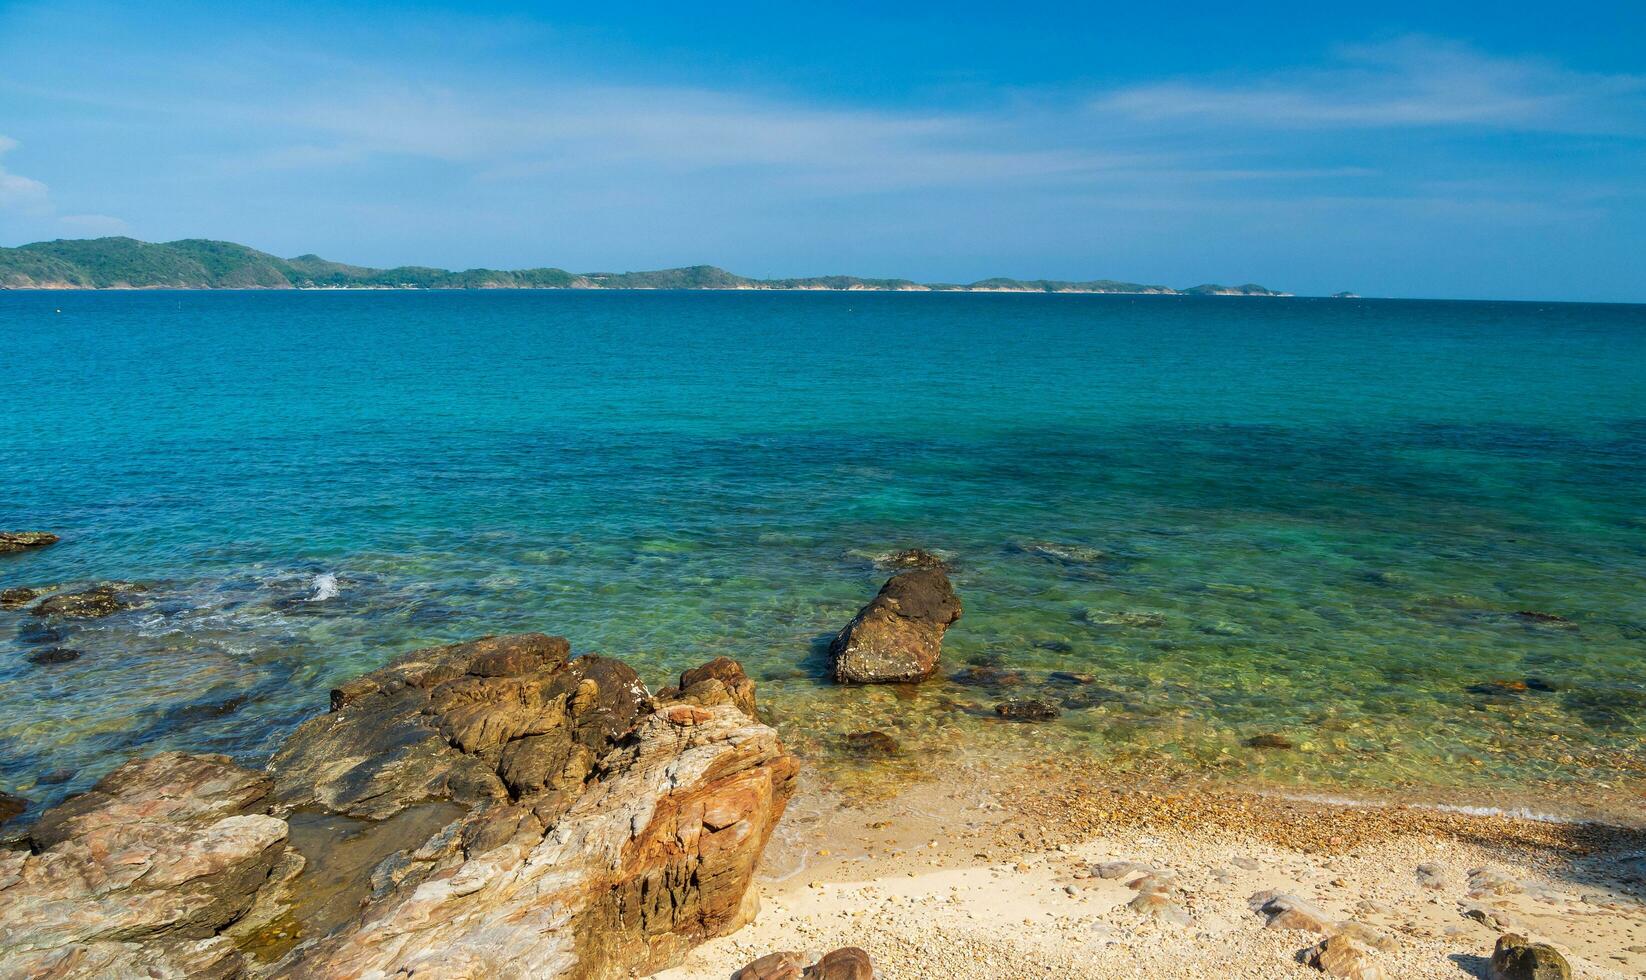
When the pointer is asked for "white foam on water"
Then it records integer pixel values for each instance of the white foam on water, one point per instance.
(325, 587)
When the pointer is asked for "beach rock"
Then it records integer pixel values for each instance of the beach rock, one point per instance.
(1341, 956)
(1517, 958)
(1282, 910)
(1492, 918)
(1431, 876)
(774, 966)
(20, 596)
(11, 805)
(898, 636)
(872, 744)
(141, 875)
(1120, 870)
(648, 853)
(474, 722)
(15, 541)
(1366, 935)
(1027, 709)
(53, 655)
(730, 674)
(845, 963)
(93, 603)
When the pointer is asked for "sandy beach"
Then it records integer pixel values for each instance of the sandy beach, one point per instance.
(972, 873)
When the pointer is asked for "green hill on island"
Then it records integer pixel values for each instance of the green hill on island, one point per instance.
(197, 263)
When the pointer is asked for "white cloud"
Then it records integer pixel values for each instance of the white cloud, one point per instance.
(31, 199)
(20, 193)
(1414, 81)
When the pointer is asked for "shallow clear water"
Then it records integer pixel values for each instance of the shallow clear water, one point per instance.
(1313, 518)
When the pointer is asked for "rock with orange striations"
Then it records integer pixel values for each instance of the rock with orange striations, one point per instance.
(898, 636)
(653, 854)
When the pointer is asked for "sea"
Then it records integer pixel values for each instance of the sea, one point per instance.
(1343, 546)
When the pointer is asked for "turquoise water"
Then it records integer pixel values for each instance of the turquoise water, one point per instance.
(1311, 518)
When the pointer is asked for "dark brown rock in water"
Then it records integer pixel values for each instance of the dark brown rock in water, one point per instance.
(11, 806)
(984, 675)
(1544, 618)
(872, 744)
(1269, 740)
(730, 674)
(92, 603)
(1517, 958)
(147, 874)
(14, 541)
(18, 597)
(53, 655)
(1027, 709)
(898, 637)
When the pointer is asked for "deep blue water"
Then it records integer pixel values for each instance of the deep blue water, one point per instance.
(1312, 517)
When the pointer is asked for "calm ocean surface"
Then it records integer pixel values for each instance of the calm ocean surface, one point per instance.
(1312, 518)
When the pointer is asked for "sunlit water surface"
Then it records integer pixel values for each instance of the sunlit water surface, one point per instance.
(1316, 519)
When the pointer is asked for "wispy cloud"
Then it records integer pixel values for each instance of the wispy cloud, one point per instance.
(20, 193)
(1414, 81)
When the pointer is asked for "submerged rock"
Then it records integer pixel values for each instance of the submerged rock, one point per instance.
(14, 541)
(872, 744)
(11, 805)
(1270, 740)
(1517, 958)
(53, 655)
(898, 636)
(1027, 709)
(93, 603)
(20, 596)
(144, 874)
(911, 558)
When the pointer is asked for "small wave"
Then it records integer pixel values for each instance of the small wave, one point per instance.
(325, 587)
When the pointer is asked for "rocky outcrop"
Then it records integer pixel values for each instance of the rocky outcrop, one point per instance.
(14, 541)
(597, 832)
(898, 636)
(143, 875)
(1517, 958)
(93, 603)
(845, 963)
(603, 864)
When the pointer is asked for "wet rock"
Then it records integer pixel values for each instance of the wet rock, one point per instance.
(93, 603)
(1544, 618)
(1517, 958)
(872, 744)
(912, 558)
(1270, 740)
(1342, 956)
(20, 596)
(53, 655)
(470, 723)
(987, 675)
(898, 637)
(15, 541)
(141, 875)
(1282, 910)
(1027, 709)
(11, 805)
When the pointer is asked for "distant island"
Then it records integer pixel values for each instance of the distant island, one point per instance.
(197, 263)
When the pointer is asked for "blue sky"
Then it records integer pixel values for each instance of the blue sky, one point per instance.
(1463, 150)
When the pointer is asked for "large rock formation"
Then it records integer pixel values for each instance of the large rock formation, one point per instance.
(142, 875)
(93, 603)
(898, 637)
(599, 833)
(11, 541)
(610, 833)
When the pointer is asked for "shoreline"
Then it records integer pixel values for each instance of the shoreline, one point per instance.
(996, 878)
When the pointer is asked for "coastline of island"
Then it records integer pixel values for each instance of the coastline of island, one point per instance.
(129, 264)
